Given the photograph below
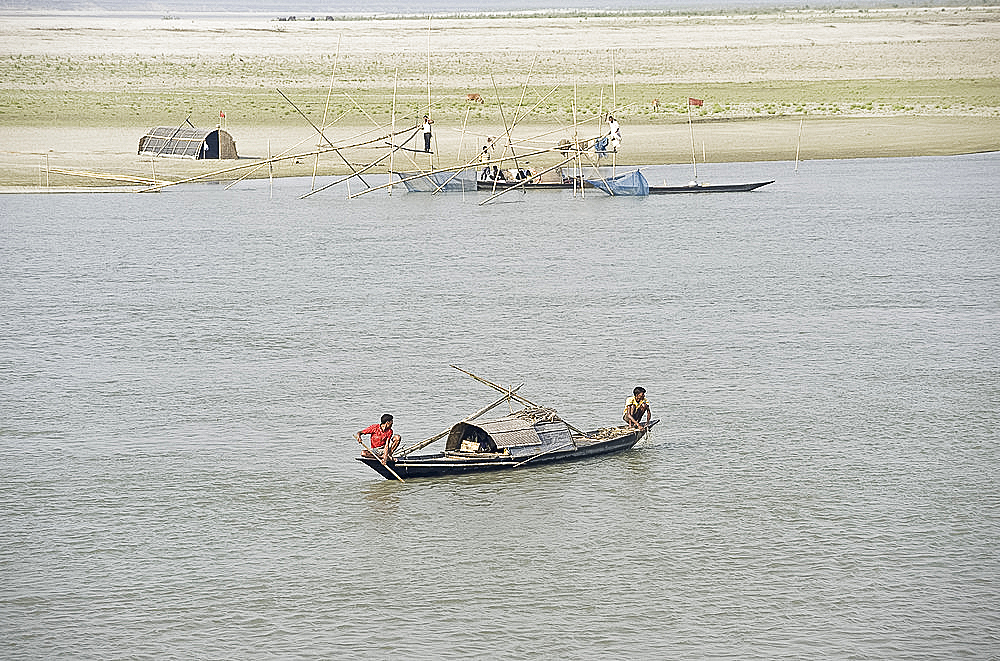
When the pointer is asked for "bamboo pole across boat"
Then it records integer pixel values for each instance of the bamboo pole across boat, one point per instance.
(215, 173)
(506, 127)
(260, 163)
(439, 170)
(319, 150)
(392, 119)
(482, 411)
(326, 108)
(499, 388)
(323, 135)
(521, 184)
(104, 175)
(367, 167)
(514, 396)
(458, 170)
(510, 144)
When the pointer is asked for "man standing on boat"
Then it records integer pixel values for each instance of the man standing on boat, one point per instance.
(381, 437)
(635, 407)
(614, 133)
(489, 172)
(427, 133)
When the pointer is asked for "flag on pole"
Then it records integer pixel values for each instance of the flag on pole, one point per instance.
(695, 102)
(222, 114)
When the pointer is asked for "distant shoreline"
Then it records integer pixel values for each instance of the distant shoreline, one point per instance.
(78, 91)
(284, 15)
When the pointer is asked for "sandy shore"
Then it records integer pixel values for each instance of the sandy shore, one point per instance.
(77, 92)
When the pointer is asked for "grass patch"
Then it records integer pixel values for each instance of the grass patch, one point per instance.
(128, 106)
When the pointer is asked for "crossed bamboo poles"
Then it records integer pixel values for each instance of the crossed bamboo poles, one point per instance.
(577, 150)
(508, 394)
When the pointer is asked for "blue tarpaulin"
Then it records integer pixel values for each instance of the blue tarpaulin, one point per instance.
(630, 183)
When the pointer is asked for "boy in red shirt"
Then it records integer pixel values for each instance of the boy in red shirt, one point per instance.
(381, 437)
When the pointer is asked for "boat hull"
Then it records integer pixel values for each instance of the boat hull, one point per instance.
(491, 185)
(708, 188)
(443, 464)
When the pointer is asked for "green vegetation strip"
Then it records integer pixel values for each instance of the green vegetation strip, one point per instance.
(256, 106)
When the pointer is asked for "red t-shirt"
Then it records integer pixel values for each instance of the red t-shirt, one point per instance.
(379, 437)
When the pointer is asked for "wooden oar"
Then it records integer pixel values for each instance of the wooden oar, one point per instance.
(372, 453)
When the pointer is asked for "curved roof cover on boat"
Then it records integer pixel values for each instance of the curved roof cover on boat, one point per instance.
(521, 433)
(187, 143)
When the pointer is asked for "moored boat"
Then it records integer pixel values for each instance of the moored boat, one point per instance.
(496, 179)
(707, 188)
(632, 184)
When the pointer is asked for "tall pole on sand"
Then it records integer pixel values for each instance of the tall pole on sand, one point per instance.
(694, 161)
(434, 133)
(798, 143)
(392, 123)
(614, 105)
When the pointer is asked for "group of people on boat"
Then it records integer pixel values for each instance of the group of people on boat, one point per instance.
(383, 441)
(492, 172)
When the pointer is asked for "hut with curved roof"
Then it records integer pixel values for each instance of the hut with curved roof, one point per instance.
(187, 143)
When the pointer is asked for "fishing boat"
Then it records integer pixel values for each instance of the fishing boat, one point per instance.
(695, 187)
(634, 184)
(530, 436)
(502, 179)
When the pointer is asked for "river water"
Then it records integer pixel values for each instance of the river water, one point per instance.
(182, 373)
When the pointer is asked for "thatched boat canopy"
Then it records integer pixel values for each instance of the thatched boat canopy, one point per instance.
(523, 432)
(187, 143)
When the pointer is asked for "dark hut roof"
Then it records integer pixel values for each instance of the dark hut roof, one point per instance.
(187, 143)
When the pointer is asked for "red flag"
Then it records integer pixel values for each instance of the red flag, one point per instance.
(695, 102)
(222, 114)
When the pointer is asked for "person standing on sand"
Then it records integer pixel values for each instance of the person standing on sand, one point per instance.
(427, 133)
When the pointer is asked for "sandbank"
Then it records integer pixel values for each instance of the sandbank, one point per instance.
(77, 92)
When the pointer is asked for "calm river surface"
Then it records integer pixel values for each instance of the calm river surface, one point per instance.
(181, 373)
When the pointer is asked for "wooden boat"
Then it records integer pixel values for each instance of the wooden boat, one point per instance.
(632, 184)
(533, 436)
(707, 188)
(555, 180)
